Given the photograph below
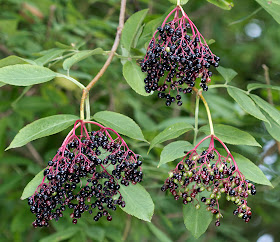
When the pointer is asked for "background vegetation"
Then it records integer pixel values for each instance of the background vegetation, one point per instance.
(247, 38)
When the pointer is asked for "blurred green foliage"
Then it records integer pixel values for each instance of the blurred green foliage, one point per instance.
(28, 28)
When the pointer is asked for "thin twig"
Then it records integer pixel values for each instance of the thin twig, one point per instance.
(35, 154)
(246, 17)
(127, 228)
(108, 61)
(5, 50)
(267, 80)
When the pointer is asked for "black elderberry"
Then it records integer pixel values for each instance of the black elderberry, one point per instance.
(80, 157)
(175, 59)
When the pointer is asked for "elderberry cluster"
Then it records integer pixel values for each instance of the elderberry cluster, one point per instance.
(205, 177)
(177, 56)
(79, 177)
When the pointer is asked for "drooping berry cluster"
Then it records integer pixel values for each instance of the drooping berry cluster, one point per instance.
(84, 175)
(179, 55)
(208, 172)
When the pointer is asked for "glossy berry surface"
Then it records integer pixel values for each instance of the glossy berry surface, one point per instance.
(86, 175)
(176, 57)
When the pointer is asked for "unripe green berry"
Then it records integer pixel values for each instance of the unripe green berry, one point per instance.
(195, 157)
(218, 216)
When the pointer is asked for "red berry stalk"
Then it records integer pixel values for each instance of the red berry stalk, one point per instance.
(85, 174)
(178, 54)
(209, 170)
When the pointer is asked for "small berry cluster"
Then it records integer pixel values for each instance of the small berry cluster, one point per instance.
(179, 57)
(209, 171)
(85, 174)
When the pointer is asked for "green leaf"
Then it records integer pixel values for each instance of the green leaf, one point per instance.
(49, 56)
(32, 185)
(272, 7)
(41, 128)
(138, 202)
(224, 4)
(61, 235)
(80, 56)
(148, 31)
(273, 129)
(171, 132)
(25, 75)
(250, 170)
(174, 151)
(196, 220)
(182, 2)
(254, 86)
(120, 123)
(160, 235)
(268, 108)
(13, 60)
(246, 103)
(96, 233)
(227, 73)
(131, 28)
(135, 77)
(231, 135)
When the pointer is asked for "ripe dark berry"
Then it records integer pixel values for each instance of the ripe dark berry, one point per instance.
(180, 167)
(203, 199)
(81, 157)
(176, 57)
